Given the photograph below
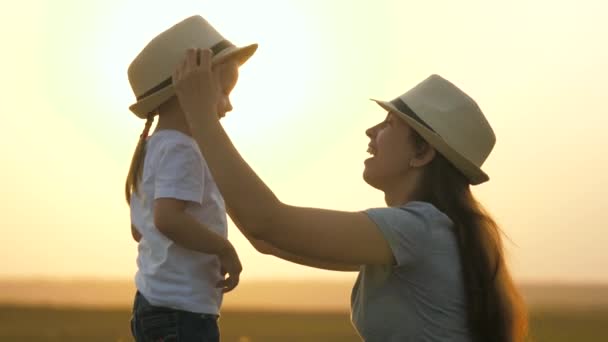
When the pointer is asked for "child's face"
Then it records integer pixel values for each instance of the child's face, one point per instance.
(228, 74)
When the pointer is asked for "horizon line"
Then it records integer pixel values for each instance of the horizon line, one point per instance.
(63, 279)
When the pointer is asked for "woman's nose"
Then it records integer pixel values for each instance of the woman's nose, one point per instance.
(370, 131)
(228, 106)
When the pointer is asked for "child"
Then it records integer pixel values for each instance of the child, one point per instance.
(178, 216)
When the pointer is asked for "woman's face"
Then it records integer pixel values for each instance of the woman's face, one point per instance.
(227, 74)
(392, 148)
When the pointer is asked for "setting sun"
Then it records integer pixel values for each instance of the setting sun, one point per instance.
(301, 109)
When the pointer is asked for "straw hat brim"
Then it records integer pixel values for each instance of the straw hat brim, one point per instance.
(473, 173)
(150, 103)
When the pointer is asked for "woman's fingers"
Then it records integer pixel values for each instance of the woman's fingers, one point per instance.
(205, 59)
(191, 56)
(194, 59)
(196, 85)
(175, 75)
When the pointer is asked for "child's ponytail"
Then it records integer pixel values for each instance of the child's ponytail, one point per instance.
(137, 162)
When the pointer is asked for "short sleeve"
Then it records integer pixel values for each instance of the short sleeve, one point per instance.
(406, 229)
(179, 173)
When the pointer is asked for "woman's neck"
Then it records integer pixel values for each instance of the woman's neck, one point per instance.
(396, 198)
(403, 190)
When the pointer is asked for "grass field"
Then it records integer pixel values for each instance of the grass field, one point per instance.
(33, 324)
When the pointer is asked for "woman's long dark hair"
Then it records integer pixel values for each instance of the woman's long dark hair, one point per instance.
(495, 309)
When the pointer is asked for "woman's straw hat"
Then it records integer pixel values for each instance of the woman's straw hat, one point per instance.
(450, 121)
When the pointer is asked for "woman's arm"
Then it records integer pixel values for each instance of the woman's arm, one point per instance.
(265, 247)
(331, 236)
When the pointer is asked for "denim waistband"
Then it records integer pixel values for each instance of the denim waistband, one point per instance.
(143, 303)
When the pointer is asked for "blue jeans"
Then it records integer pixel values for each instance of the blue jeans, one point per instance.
(158, 324)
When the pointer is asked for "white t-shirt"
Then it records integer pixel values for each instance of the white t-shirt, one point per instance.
(169, 275)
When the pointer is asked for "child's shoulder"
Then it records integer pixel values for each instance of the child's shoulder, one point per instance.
(172, 142)
(168, 138)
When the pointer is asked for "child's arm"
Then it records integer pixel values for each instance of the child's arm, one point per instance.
(171, 219)
(135, 233)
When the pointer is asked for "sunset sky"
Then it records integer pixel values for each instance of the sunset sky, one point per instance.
(538, 69)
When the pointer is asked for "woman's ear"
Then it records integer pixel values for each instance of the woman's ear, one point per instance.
(424, 155)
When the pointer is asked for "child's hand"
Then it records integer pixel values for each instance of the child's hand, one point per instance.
(196, 86)
(230, 265)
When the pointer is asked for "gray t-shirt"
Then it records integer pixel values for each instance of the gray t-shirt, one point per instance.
(421, 298)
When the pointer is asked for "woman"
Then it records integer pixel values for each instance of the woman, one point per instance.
(431, 264)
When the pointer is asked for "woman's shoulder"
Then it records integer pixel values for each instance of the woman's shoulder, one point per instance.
(409, 229)
(418, 208)
(418, 214)
(424, 208)
(428, 211)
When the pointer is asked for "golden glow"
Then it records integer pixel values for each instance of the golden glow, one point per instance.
(538, 71)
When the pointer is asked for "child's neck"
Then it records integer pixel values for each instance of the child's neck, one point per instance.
(172, 117)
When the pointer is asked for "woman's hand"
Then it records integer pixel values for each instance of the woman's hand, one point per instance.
(196, 86)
